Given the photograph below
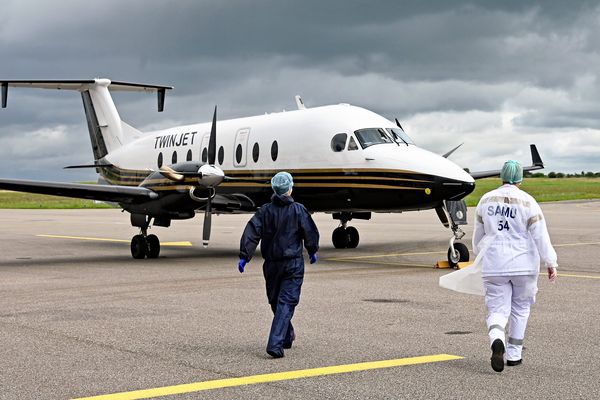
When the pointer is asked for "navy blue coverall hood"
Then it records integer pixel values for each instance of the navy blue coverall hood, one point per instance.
(282, 226)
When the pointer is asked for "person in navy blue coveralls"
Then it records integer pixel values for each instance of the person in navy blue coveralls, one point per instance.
(281, 226)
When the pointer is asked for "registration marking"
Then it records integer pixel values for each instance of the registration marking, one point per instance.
(176, 244)
(274, 377)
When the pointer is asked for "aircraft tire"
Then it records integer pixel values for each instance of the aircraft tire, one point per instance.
(339, 237)
(353, 237)
(153, 246)
(139, 247)
(463, 254)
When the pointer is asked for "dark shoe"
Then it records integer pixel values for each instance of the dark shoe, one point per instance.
(497, 355)
(275, 353)
(512, 363)
(288, 345)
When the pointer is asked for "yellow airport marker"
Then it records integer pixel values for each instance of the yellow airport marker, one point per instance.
(177, 244)
(274, 377)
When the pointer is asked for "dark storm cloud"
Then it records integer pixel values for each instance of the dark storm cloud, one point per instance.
(435, 62)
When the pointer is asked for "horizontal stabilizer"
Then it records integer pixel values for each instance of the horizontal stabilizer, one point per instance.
(88, 166)
(82, 85)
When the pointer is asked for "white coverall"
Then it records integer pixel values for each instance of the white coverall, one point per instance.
(515, 226)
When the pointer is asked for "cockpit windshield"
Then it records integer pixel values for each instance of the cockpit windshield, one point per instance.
(371, 136)
(400, 136)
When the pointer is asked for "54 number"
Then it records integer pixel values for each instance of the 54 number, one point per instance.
(503, 225)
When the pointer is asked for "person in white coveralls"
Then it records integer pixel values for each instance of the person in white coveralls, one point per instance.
(511, 231)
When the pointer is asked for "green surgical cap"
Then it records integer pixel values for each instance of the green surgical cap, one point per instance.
(512, 172)
(282, 182)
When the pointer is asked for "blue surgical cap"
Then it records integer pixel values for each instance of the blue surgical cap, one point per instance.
(282, 182)
(512, 172)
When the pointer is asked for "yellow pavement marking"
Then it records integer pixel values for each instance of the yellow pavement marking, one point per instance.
(576, 244)
(577, 276)
(386, 255)
(395, 264)
(179, 244)
(274, 377)
(435, 252)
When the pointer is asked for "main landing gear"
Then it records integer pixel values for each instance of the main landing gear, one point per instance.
(144, 245)
(347, 237)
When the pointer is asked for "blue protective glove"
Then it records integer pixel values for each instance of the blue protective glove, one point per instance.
(313, 258)
(242, 264)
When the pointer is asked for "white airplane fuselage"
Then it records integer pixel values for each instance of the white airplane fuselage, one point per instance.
(382, 177)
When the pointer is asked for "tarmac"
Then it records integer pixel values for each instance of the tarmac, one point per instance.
(81, 318)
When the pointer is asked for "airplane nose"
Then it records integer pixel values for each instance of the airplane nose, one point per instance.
(456, 190)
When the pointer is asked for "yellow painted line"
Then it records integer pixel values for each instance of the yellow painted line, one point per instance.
(379, 263)
(576, 244)
(275, 377)
(176, 244)
(386, 255)
(576, 276)
(439, 252)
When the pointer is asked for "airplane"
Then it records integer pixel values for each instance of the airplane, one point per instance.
(345, 160)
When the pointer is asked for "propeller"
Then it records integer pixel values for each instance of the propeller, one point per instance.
(211, 176)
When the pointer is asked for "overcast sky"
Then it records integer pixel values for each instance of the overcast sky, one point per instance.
(496, 75)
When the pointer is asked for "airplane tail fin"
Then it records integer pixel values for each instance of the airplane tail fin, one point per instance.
(107, 131)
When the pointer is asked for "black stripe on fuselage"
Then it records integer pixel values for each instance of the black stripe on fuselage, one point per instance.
(314, 178)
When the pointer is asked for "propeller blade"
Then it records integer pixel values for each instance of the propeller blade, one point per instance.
(398, 123)
(212, 143)
(207, 224)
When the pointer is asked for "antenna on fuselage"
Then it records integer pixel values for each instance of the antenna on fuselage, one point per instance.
(300, 103)
(399, 126)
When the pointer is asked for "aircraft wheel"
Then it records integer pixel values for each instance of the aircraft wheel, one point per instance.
(353, 237)
(153, 246)
(139, 247)
(339, 237)
(463, 254)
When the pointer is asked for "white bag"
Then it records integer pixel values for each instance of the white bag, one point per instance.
(468, 280)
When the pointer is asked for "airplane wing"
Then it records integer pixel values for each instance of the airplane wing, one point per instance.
(112, 193)
(536, 162)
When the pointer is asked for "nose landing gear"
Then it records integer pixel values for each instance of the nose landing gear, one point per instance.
(457, 211)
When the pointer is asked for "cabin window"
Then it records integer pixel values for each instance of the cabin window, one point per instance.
(189, 155)
(400, 136)
(204, 154)
(238, 153)
(338, 143)
(274, 150)
(159, 162)
(221, 155)
(371, 136)
(352, 144)
(174, 158)
(255, 151)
